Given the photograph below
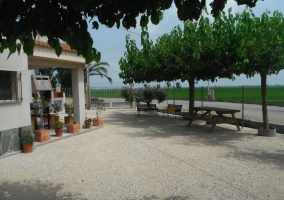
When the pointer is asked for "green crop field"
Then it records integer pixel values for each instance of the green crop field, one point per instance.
(252, 94)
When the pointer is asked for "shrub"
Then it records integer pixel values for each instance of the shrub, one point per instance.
(146, 94)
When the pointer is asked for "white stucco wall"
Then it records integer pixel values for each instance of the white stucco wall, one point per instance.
(14, 115)
(78, 95)
(45, 57)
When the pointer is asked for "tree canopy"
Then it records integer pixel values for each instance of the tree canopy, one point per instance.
(201, 51)
(231, 45)
(67, 20)
(261, 48)
(97, 69)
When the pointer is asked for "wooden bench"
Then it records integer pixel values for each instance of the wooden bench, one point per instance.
(214, 119)
(230, 120)
(199, 117)
(144, 107)
(172, 109)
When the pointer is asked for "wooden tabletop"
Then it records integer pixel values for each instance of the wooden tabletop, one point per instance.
(216, 109)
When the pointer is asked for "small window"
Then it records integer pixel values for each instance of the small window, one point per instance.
(10, 86)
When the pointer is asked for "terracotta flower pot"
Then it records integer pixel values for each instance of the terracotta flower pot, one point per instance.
(98, 121)
(52, 119)
(28, 148)
(57, 118)
(68, 120)
(42, 135)
(72, 128)
(58, 132)
(88, 124)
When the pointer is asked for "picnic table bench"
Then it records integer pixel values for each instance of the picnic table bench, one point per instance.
(220, 118)
(172, 109)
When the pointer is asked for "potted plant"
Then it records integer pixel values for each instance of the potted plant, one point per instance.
(27, 141)
(72, 127)
(56, 109)
(69, 110)
(43, 108)
(88, 123)
(35, 106)
(100, 107)
(58, 128)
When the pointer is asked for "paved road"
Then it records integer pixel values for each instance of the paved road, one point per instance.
(251, 111)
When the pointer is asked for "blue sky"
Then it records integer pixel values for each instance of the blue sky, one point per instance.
(111, 43)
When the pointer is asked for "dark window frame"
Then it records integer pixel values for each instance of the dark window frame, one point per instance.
(10, 86)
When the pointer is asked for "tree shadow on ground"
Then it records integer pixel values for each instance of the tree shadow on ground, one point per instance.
(262, 157)
(153, 197)
(151, 126)
(34, 190)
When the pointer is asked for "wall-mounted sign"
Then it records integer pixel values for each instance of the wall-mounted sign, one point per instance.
(42, 84)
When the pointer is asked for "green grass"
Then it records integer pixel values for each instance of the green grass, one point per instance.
(252, 94)
(106, 93)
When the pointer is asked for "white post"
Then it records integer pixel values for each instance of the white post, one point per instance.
(87, 90)
(78, 95)
(58, 87)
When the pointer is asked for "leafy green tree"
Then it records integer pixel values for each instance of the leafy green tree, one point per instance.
(168, 84)
(178, 86)
(261, 48)
(146, 94)
(64, 77)
(97, 69)
(61, 20)
(192, 54)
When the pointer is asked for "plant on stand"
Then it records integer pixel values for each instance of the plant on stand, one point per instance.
(56, 110)
(88, 123)
(71, 125)
(69, 110)
(99, 107)
(27, 141)
(42, 109)
(58, 128)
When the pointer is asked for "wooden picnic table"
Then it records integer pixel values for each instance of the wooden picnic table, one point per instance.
(209, 117)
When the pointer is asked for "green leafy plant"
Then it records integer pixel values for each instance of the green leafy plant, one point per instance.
(42, 100)
(55, 108)
(45, 104)
(88, 120)
(69, 109)
(146, 94)
(100, 105)
(27, 138)
(57, 125)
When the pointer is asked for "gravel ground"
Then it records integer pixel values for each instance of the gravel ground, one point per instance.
(149, 157)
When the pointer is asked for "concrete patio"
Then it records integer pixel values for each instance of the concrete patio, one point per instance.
(149, 157)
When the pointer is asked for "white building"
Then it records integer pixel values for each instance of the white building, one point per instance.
(16, 94)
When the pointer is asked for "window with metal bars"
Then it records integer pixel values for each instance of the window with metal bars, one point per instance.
(10, 86)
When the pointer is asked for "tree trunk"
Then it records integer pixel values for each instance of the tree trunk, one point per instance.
(264, 101)
(148, 104)
(191, 96)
